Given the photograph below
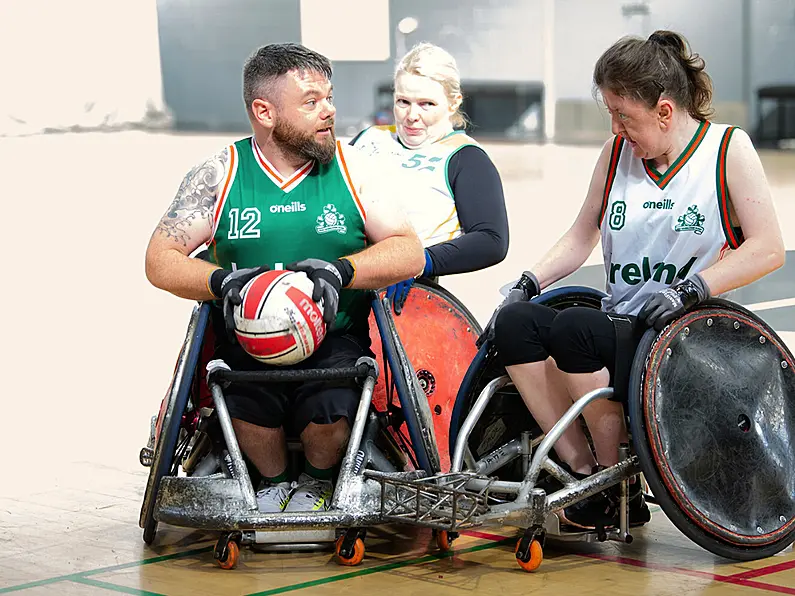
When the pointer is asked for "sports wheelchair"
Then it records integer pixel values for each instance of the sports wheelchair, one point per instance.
(200, 479)
(711, 410)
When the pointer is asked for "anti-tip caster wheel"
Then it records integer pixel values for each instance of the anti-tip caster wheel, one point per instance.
(349, 552)
(444, 540)
(529, 552)
(227, 551)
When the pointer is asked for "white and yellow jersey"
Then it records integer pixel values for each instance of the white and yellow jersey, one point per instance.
(660, 228)
(422, 173)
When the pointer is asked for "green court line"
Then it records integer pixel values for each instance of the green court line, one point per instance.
(381, 568)
(113, 587)
(84, 574)
(82, 577)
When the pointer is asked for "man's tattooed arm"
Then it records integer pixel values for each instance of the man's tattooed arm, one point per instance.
(195, 201)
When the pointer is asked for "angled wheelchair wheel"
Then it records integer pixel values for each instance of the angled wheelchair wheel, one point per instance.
(506, 415)
(438, 335)
(712, 412)
(171, 416)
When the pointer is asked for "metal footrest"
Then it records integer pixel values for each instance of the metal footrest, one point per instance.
(439, 501)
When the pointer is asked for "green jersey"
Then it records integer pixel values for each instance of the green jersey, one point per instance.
(262, 218)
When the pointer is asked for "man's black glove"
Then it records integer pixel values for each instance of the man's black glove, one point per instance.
(329, 279)
(226, 286)
(666, 305)
(526, 288)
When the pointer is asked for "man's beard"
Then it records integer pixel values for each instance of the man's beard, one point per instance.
(304, 144)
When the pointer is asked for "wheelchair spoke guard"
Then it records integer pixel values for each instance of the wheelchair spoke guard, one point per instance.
(712, 411)
(438, 334)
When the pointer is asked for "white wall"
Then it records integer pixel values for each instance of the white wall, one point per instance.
(81, 63)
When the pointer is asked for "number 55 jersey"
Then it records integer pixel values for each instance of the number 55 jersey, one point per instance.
(423, 178)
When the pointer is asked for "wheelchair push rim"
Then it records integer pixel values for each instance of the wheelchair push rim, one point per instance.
(169, 425)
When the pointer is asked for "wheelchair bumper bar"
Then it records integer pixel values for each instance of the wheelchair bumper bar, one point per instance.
(219, 504)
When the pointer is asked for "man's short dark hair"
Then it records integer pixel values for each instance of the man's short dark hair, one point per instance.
(269, 62)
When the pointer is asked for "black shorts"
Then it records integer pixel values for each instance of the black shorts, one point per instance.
(294, 405)
(579, 339)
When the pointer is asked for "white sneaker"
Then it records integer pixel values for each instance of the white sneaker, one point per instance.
(273, 498)
(310, 495)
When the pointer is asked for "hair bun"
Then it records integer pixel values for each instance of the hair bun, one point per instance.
(668, 39)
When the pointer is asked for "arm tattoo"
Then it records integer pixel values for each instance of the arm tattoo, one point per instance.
(195, 199)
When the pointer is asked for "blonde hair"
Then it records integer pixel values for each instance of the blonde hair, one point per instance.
(429, 60)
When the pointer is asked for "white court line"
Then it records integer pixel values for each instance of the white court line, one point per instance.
(771, 304)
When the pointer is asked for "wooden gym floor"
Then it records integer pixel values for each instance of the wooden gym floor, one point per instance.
(89, 348)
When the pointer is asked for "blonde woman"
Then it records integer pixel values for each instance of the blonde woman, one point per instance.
(453, 192)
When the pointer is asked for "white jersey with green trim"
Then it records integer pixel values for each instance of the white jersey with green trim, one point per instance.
(658, 228)
(421, 174)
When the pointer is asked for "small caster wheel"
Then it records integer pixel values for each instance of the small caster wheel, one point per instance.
(444, 539)
(227, 550)
(532, 558)
(232, 556)
(350, 556)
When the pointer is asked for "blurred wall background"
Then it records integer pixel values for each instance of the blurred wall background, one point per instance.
(177, 63)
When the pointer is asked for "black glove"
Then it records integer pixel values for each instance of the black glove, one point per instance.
(329, 279)
(526, 288)
(666, 305)
(226, 285)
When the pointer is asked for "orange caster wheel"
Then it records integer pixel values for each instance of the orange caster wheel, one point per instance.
(350, 556)
(534, 555)
(232, 556)
(444, 540)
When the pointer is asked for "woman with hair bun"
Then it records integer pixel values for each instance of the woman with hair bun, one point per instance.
(683, 211)
(452, 191)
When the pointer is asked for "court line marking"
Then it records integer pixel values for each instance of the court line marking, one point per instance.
(743, 578)
(770, 304)
(740, 579)
(749, 583)
(84, 574)
(113, 587)
(486, 536)
(387, 567)
(82, 577)
(775, 568)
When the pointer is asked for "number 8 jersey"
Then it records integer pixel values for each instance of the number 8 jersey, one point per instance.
(659, 228)
(422, 175)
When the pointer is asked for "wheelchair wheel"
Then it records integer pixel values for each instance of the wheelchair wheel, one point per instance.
(712, 413)
(170, 424)
(437, 334)
(506, 416)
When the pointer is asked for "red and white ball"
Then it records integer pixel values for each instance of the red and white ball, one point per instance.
(278, 322)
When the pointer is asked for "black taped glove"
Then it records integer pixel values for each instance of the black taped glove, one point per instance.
(226, 286)
(329, 279)
(666, 305)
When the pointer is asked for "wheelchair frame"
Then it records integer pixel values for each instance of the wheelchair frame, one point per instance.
(446, 502)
